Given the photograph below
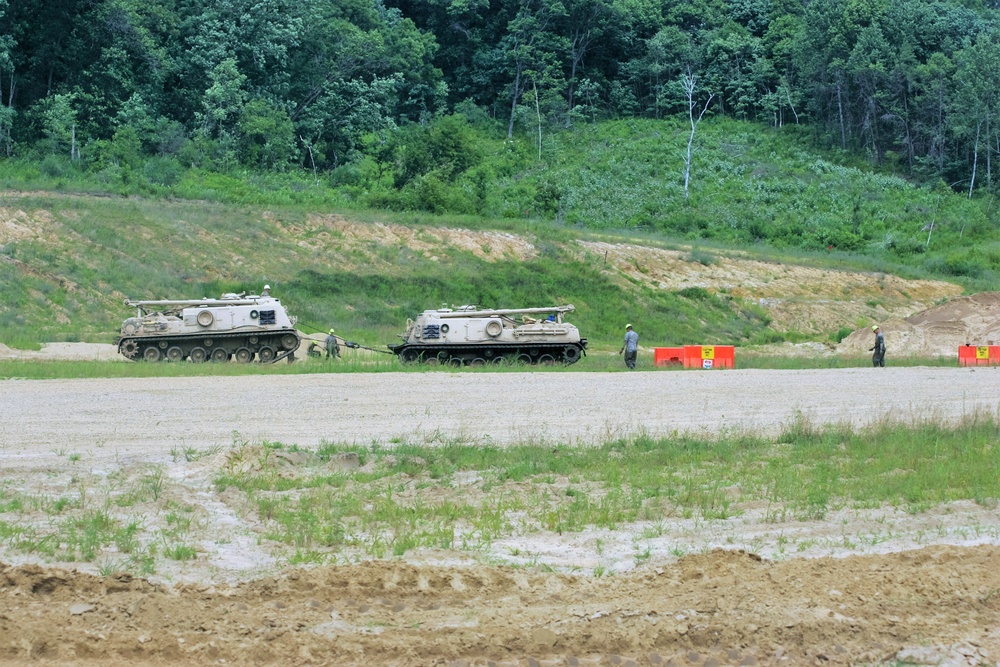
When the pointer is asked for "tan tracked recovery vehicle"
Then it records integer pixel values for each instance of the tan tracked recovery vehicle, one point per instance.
(473, 337)
(236, 326)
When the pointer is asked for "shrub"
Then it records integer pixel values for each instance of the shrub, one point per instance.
(698, 293)
(841, 334)
(54, 166)
(163, 171)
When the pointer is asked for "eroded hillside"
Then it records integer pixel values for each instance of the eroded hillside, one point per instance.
(70, 261)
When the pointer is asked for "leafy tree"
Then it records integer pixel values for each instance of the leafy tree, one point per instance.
(976, 109)
(530, 49)
(7, 113)
(447, 146)
(585, 23)
(58, 120)
(223, 100)
(267, 137)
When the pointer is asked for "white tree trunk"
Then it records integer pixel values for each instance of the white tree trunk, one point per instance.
(538, 113)
(788, 96)
(689, 83)
(975, 159)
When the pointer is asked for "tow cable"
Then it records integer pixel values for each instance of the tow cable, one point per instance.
(347, 343)
(358, 346)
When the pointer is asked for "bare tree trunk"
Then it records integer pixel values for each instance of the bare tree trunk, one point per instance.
(939, 139)
(578, 47)
(975, 159)
(688, 82)
(788, 96)
(312, 160)
(989, 154)
(538, 114)
(515, 93)
(72, 144)
(840, 107)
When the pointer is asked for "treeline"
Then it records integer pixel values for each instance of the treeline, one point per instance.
(320, 84)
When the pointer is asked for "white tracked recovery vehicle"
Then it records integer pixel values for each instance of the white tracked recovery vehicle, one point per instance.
(234, 327)
(473, 337)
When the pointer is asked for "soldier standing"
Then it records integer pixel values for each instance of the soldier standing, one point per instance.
(630, 347)
(878, 356)
(332, 346)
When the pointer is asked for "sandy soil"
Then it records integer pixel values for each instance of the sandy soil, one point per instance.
(921, 589)
(934, 606)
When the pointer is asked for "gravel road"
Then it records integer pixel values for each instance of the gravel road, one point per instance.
(145, 418)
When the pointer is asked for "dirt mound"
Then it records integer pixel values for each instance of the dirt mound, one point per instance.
(937, 331)
(723, 607)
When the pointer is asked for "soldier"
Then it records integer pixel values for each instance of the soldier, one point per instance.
(630, 347)
(332, 346)
(266, 291)
(878, 358)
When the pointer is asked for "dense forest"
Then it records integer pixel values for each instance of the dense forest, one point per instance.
(115, 86)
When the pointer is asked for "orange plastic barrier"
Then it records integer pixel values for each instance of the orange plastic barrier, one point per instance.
(668, 356)
(978, 355)
(709, 356)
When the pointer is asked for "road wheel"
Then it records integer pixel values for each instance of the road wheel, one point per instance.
(220, 354)
(151, 354)
(547, 360)
(455, 362)
(198, 355)
(265, 354)
(243, 356)
(289, 341)
(478, 361)
(409, 356)
(175, 354)
(523, 359)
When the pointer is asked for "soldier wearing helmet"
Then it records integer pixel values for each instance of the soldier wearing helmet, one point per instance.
(878, 350)
(332, 346)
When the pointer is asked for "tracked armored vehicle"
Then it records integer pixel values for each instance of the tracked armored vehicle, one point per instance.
(473, 337)
(236, 326)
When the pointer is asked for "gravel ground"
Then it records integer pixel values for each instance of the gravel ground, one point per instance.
(146, 418)
(689, 599)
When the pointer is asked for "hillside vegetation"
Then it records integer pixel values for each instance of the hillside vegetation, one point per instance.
(68, 262)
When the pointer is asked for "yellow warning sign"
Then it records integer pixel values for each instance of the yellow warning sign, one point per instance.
(708, 352)
(983, 352)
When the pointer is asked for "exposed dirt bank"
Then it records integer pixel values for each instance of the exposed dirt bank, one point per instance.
(934, 606)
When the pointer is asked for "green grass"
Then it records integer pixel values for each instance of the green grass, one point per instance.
(597, 361)
(455, 496)
(409, 496)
